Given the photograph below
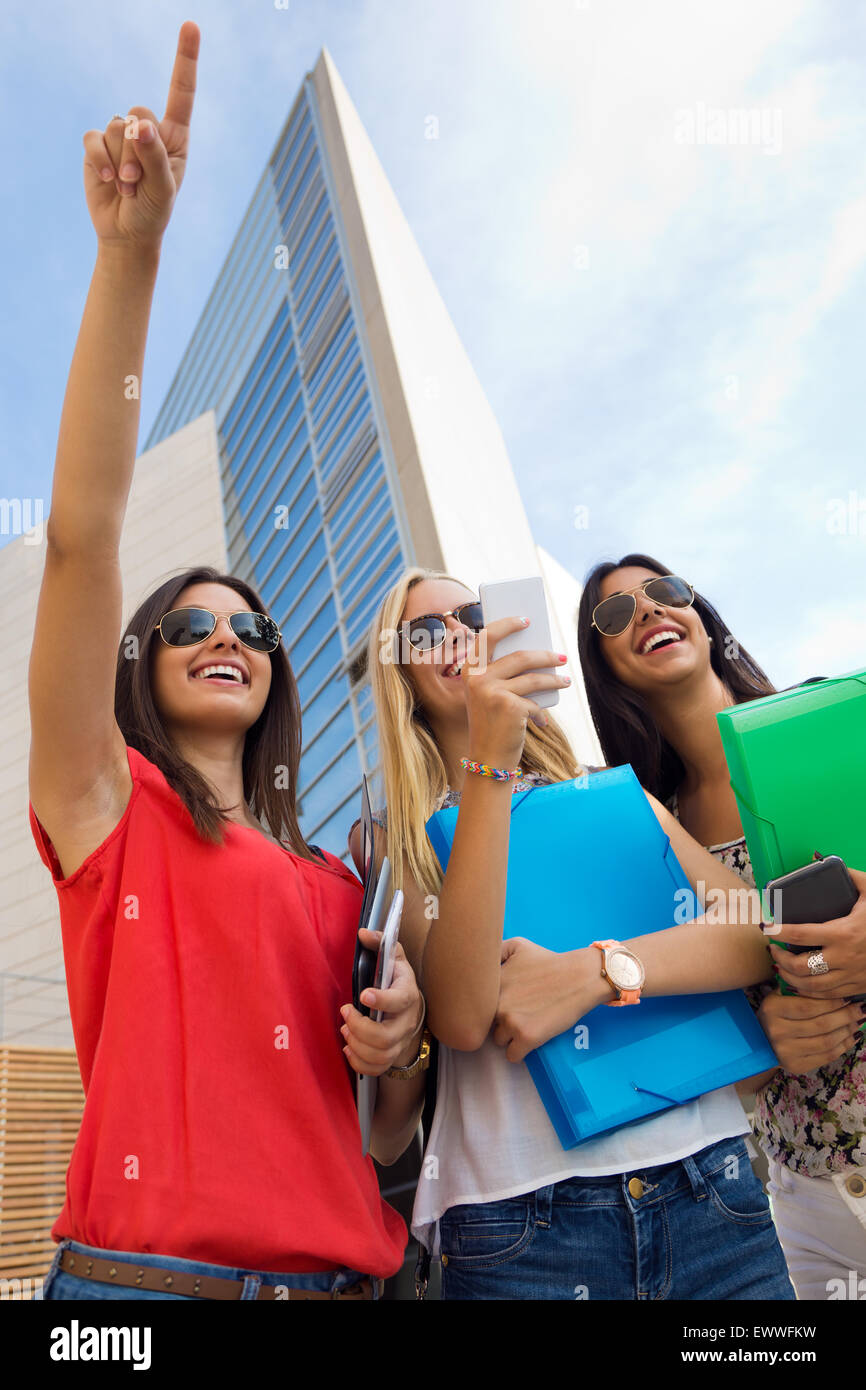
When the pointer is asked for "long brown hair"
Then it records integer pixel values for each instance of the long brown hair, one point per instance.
(626, 729)
(273, 743)
(412, 768)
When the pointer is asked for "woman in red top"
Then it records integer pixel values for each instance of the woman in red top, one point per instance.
(208, 961)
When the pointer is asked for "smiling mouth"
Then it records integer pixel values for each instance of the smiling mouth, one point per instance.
(220, 680)
(667, 638)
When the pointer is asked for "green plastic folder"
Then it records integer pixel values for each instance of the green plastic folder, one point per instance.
(797, 761)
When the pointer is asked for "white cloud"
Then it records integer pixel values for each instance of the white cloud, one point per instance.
(829, 638)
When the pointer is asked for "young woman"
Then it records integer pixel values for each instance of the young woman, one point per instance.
(659, 663)
(208, 955)
(666, 1208)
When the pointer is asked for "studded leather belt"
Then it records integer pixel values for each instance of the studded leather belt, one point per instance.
(156, 1277)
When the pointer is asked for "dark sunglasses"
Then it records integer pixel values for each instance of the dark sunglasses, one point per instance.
(428, 631)
(615, 614)
(185, 627)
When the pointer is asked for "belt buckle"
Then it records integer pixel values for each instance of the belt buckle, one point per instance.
(348, 1290)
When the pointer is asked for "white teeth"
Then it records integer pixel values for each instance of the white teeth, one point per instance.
(231, 671)
(657, 637)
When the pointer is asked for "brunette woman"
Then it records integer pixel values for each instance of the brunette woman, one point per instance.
(208, 947)
(659, 663)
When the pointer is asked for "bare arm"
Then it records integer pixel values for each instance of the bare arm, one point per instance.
(77, 755)
(462, 951)
(76, 745)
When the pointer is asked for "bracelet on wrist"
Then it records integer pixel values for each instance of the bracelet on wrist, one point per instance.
(417, 1030)
(502, 774)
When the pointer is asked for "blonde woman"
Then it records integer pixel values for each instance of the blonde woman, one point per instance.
(666, 1208)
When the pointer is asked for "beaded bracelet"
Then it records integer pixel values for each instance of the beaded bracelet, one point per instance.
(502, 774)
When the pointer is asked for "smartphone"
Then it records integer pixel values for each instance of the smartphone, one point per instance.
(819, 892)
(521, 598)
(385, 963)
(366, 957)
(381, 977)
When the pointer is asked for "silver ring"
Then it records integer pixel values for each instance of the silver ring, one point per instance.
(817, 964)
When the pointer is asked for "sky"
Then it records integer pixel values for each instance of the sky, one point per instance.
(647, 222)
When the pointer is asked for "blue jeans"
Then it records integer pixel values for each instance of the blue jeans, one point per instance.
(701, 1229)
(60, 1285)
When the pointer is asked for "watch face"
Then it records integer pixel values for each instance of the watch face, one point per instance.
(624, 970)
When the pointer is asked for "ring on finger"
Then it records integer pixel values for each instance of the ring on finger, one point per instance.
(816, 963)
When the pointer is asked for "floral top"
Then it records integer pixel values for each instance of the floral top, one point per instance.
(814, 1123)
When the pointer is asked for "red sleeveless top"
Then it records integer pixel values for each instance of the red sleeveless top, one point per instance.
(205, 983)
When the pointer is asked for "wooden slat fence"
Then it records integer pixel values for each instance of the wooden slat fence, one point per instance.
(41, 1100)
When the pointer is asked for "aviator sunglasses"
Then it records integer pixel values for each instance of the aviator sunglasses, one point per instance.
(613, 615)
(428, 631)
(186, 627)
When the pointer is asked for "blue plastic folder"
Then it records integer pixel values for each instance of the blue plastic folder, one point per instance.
(588, 860)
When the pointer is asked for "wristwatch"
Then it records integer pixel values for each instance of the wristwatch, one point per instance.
(421, 1063)
(623, 972)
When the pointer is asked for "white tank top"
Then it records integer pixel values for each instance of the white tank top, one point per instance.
(491, 1137)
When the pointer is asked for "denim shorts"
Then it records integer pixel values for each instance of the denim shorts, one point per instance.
(60, 1285)
(700, 1228)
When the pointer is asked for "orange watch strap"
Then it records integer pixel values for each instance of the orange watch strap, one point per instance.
(626, 996)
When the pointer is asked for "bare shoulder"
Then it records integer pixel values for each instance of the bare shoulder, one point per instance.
(76, 828)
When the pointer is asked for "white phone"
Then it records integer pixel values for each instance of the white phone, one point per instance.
(521, 598)
(368, 1086)
(385, 962)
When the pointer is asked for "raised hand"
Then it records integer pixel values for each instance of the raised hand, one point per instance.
(497, 703)
(133, 170)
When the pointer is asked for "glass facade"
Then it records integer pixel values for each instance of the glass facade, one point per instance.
(309, 514)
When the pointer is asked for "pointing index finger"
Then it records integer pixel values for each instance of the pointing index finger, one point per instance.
(181, 91)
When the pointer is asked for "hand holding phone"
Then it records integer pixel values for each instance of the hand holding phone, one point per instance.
(505, 689)
(521, 598)
(823, 891)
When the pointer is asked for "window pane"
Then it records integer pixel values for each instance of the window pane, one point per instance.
(280, 535)
(297, 619)
(303, 647)
(346, 327)
(328, 744)
(279, 323)
(353, 423)
(320, 710)
(333, 834)
(299, 576)
(320, 801)
(329, 657)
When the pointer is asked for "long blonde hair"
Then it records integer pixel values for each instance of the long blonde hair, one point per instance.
(412, 769)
